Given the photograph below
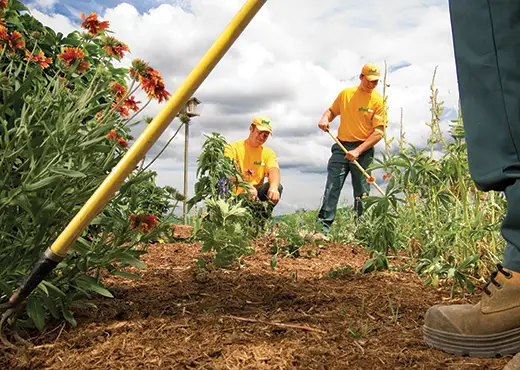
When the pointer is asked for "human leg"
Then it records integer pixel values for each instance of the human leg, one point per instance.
(337, 171)
(360, 186)
(487, 50)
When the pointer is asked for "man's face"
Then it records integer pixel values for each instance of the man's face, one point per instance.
(258, 137)
(368, 85)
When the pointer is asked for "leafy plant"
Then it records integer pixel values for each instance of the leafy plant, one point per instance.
(223, 234)
(65, 122)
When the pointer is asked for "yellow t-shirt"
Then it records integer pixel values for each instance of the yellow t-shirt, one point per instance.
(361, 112)
(254, 163)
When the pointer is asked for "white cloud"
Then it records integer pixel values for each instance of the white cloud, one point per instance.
(289, 64)
(57, 22)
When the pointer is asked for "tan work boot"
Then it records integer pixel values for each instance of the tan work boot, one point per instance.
(488, 329)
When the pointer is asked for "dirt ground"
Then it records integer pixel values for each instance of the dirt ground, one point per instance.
(295, 317)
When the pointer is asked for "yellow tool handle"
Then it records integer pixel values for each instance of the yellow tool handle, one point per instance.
(356, 163)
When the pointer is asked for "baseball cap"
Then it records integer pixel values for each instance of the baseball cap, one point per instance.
(263, 124)
(371, 71)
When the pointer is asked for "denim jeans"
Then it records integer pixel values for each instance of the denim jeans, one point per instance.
(338, 169)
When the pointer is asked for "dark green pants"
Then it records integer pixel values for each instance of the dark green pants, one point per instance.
(337, 171)
(486, 35)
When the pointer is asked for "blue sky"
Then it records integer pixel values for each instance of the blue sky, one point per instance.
(289, 64)
(71, 8)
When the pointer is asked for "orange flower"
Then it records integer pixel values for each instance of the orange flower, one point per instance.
(3, 4)
(40, 58)
(121, 108)
(114, 47)
(153, 85)
(111, 135)
(371, 179)
(130, 103)
(3, 32)
(139, 68)
(122, 142)
(14, 41)
(118, 90)
(146, 222)
(71, 55)
(99, 116)
(387, 176)
(92, 24)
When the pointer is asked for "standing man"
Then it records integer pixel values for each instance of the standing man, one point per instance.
(486, 37)
(256, 162)
(361, 111)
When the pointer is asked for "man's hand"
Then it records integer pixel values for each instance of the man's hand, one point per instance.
(253, 193)
(324, 124)
(273, 194)
(352, 155)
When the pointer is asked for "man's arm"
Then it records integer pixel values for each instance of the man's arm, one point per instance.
(274, 181)
(372, 140)
(327, 117)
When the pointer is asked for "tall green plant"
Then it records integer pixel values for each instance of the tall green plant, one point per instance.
(64, 124)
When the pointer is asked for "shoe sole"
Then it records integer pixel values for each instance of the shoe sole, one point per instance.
(493, 345)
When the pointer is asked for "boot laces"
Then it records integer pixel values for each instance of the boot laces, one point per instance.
(493, 281)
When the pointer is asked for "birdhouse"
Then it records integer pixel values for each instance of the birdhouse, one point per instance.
(190, 109)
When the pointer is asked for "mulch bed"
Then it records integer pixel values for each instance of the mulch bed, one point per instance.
(295, 317)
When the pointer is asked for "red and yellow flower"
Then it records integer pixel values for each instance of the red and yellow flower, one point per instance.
(118, 90)
(122, 142)
(3, 4)
(114, 47)
(111, 135)
(371, 179)
(121, 109)
(144, 222)
(92, 24)
(153, 85)
(387, 176)
(130, 103)
(72, 55)
(39, 58)
(13, 41)
(138, 69)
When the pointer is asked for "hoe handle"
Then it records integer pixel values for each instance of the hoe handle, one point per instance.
(356, 162)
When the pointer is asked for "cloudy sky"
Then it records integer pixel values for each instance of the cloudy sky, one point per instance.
(289, 65)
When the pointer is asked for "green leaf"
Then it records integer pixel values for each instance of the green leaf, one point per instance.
(83, 304)
(6, 289)
(36, 312)
(127, 275)
(90, 284)
(16, 5)
(22, 89)
(132, 261)
(66, 172)
(274, 261)
(67, 314)
(53, 288)
(42, 183)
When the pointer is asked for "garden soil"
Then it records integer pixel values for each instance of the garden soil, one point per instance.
(294, 317)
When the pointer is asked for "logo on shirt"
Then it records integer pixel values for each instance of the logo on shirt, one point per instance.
(258, 163)
(361, 109)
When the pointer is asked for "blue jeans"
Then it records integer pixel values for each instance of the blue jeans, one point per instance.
(338, 169)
